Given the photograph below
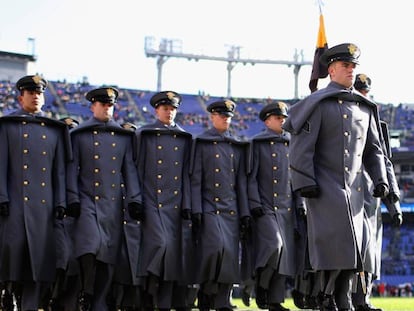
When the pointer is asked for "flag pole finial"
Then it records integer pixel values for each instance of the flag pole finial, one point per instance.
(320, 5)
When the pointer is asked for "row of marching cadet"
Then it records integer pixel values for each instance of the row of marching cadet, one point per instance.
(105, 216)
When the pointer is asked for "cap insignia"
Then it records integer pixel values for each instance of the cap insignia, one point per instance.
(110, 92)
(68, 121)
(281, 105)
(363, 78)
(353, 50)
(37, 79)
(127, 126)
(229, 105)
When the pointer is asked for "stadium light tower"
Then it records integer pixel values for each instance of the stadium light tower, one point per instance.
(233, 54)
(173, 48)
(31, 42)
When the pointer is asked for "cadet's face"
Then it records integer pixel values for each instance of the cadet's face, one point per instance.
(166, 113)
(275, 123)
(32, 101)
(220, 122)
(102, 111)
(342, 73)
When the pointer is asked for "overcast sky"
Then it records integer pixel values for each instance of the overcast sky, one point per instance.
(104, 41)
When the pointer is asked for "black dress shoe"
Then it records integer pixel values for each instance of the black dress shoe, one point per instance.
(261, 298)
(245, 296)
(327, 303)
(85, 302)
(298, 299)
(311, 302)
(203, 303)
(367, 307)
(277, 307)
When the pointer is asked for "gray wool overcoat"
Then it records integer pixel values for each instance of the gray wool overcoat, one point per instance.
(335, 132)
(102, 162)
(32, 182)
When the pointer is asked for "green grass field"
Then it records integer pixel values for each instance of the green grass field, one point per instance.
(385, 303)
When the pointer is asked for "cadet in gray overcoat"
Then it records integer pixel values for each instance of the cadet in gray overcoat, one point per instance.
(220, 207)
(163, 153)
(32, 195)
(126, 291)
(335, 131)
(102, 161)
(63, 293)
(273, 207)
(373, 216)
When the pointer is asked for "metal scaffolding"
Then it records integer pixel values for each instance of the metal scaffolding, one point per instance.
(167, 48)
